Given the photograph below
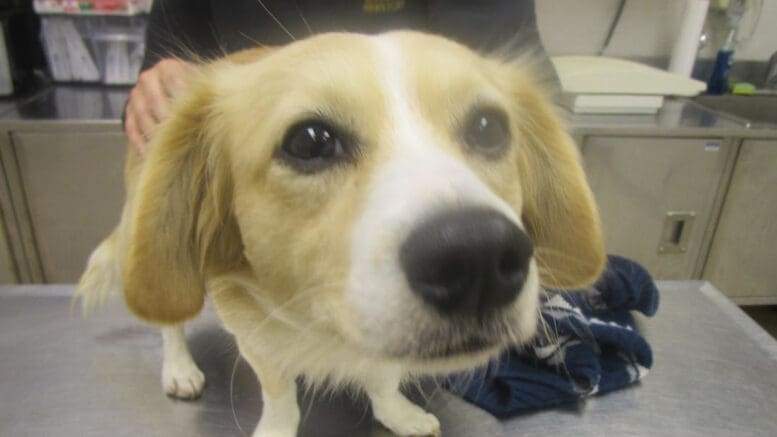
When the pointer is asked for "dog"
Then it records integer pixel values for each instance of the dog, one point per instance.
(361, 210)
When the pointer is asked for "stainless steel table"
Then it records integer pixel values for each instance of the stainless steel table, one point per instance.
(715, 374)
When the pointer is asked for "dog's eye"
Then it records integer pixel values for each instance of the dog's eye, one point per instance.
(486, 131)
(311, 146)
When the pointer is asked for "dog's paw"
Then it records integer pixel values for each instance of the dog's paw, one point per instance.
(274, 432)
(275, 428)
(404, 418)
(182, 379)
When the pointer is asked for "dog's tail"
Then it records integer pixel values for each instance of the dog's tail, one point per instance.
(102, 277)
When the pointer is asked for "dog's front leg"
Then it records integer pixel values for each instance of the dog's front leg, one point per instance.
(395, 411)
(181, 378)
(280, 411)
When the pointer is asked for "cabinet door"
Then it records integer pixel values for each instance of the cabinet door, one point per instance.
(73, 188)
(7, 267)
(658, 198)
(9, 270)
(743, 256)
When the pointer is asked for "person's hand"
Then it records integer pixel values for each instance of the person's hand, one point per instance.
(150, 100)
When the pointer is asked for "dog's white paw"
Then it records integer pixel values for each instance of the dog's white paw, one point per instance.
(404, 418)
(280, 415)
(273, 432)
(182, 379)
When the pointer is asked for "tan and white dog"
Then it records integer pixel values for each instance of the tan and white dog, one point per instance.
(360, 210)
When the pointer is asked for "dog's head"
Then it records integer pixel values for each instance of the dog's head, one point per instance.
(403, 191)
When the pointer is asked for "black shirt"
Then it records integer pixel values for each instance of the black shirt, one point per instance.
(204, 29)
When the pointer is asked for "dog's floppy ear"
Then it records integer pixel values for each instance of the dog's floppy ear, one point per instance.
(559, 211)
(181, 227)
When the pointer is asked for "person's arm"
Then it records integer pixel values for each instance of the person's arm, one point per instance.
(149, 100)
(179, 32)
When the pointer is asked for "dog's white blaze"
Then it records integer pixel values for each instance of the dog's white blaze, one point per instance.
(418, 179)
(419, 171)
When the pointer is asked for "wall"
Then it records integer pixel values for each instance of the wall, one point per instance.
(647, 28)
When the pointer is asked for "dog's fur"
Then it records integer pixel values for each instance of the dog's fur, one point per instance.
(302, 267)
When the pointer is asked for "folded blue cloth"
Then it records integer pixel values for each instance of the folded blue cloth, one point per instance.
(591, 346)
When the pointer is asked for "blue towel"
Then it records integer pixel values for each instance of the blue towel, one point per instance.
(592, 347)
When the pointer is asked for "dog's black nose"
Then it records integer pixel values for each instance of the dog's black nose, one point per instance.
(466, 261)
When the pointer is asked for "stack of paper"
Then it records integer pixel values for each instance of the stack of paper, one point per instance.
(597, 85)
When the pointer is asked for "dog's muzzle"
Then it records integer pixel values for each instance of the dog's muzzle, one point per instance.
(467, 262)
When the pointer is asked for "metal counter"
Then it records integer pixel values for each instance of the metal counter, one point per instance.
(715, 374)
(89, 107)
(677, 117)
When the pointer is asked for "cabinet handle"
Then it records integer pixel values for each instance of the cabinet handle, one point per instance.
(677, 230)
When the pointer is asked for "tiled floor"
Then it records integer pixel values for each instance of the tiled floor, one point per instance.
(766, 316)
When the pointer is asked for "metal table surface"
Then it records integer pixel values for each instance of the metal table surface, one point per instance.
(88, 107)
(715, 374)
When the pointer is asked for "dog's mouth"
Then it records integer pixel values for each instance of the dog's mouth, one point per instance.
(470, 346)
(442, 349)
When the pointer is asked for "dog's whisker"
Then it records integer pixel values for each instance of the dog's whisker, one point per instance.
(278, 311)
(549, 333)
(303, 294)
(277, 21)
(223, 52)
(278, 315)
(549, 273)
(436, 389)
(307, 395)
(365, 405)
(302, 16)
(415, 383)
(556, 253)
(253, 40)
(232, 394)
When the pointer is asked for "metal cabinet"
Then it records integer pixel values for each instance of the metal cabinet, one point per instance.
(743, 257)
(9, 235)
(7, 267)
(659, 197)
(72, 188)
(8, 273)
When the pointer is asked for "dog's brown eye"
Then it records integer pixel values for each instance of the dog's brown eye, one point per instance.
(486, 131)
(311, 146)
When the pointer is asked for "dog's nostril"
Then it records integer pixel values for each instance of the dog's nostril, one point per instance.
(510, 263)
(466, 261)
(445, 280)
